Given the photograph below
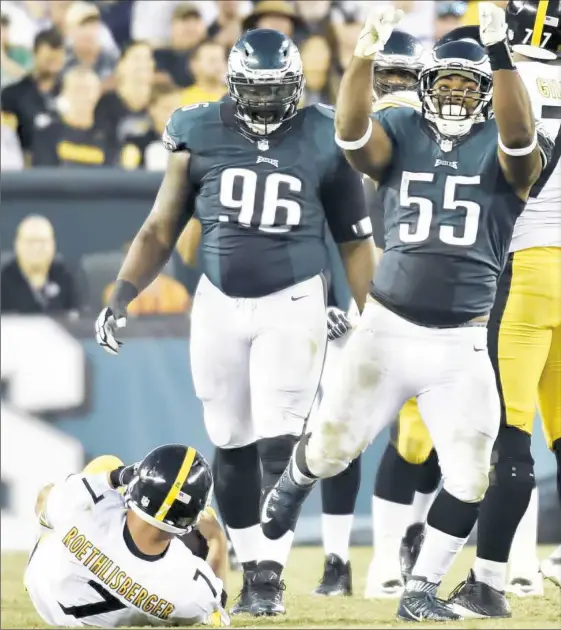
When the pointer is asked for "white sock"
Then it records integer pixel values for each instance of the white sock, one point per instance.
(421, 505)
(437, 554)
(336, 533)
(276, 550)
(299, 477)
(523, 553)
(491, 573)
(246, 542)
(389, 520)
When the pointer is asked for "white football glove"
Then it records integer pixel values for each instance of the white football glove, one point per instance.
(492, 23)
(338, 323)
(376, 31)
(106, 327)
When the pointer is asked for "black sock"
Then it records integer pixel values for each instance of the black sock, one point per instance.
(430, 474)
(452, 516)
(237, 485)
(396, 479)
(510, 488)
(339, 493)
(274, 454)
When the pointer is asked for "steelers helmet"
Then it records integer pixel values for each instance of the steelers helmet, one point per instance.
(534, 28)
(171, 487)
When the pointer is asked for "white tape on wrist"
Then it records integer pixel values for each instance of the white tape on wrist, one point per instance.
(519, 152)
(353, 145)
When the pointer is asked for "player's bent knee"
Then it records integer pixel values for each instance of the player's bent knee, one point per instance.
(470, 487)
(327, 457)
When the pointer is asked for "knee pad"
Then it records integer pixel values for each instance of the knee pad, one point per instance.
(274, 454)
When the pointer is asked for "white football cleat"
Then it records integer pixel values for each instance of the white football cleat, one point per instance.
(526, 585)
(551, 569)
(381, 584)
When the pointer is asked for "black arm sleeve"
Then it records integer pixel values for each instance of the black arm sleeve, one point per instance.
(551, 152)
(375, 206)
(343, 201)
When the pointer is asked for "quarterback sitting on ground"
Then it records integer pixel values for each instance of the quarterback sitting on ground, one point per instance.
(112, 559)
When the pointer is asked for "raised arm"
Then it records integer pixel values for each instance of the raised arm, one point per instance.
(367, 146)
(519, 153)
(365, 142)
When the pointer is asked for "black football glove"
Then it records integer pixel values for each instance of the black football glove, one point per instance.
(337, 323)
(122, 476)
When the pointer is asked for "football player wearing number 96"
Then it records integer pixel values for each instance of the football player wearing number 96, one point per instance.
(266, 180)
(458, 179)
(108, 558)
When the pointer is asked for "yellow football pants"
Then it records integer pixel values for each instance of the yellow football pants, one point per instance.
(529, 340)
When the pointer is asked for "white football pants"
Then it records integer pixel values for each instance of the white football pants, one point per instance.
(388, 360)
(257, 362)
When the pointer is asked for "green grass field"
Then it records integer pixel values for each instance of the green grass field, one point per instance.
(307, 611)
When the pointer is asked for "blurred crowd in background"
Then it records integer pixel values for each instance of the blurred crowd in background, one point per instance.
(90, 84)
(93, 83)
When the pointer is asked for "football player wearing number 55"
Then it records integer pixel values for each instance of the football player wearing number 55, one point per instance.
(266, 179)
(110, 553)
(455, 181)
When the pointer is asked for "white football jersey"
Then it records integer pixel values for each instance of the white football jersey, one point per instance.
(86, 571)
(540, 223)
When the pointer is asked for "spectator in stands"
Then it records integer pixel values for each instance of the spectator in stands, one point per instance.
(28, 104)
(165, 296)
(34, 281)
(147, 151)
(123, 112)
(116, 15)
(449, 15)
(279, 15)
(208, 66)
(16, 60)
(316, 17)
(316, 59)
(83, 32)
(188, 30)
(227, 27)
(73, 138)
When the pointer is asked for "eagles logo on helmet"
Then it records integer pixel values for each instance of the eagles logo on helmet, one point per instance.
(265, 79)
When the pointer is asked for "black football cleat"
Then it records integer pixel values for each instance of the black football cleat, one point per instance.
(281, 507)
(337, 577)
(476, 600)
(265, 594)
(410, 548)
(243, 604)
(420, 603)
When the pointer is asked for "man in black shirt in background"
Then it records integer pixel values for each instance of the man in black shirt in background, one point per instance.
(34, 282)
(28, 104)
(73, 138)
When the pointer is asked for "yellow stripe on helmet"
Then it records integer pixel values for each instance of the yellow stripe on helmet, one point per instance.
(177, 484)
(541, 14)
